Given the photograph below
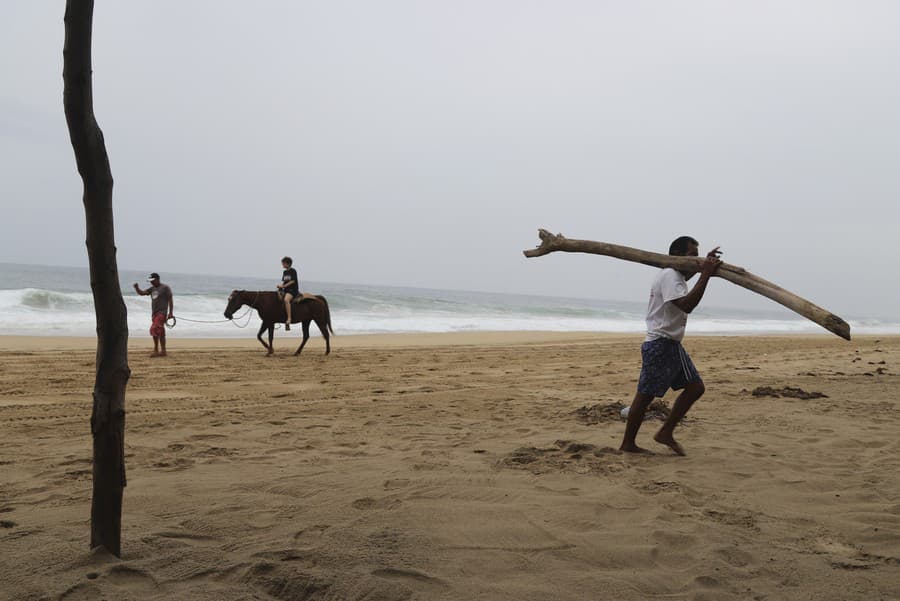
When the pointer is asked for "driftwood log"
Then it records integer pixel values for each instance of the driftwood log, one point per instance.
(112, 372)
(736, 275)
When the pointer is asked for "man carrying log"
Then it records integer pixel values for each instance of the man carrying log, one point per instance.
(664, 362)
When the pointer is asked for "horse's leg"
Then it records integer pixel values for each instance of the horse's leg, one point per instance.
(305, 337)
(262, 329)
(323, 327)
(271, 335)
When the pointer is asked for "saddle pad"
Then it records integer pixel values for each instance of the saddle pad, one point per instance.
(304, 296)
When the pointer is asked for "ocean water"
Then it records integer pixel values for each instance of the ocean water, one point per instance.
(57, 301)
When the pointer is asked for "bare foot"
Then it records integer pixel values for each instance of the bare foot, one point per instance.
(154, 354)
(670, 442)
(632, 448)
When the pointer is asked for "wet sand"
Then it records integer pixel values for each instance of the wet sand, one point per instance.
(464, 466)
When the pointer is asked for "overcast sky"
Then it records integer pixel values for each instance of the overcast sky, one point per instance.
(423, 143)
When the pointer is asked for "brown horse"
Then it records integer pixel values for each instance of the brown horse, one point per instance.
(271, 311)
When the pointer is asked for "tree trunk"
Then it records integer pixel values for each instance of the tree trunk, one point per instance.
(737, 275)
(112, 372)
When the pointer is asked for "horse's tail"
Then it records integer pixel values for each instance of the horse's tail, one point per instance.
(327, 313)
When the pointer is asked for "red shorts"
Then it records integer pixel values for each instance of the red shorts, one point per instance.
(158, 327)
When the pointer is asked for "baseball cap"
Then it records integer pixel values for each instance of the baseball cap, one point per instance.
(152, 276)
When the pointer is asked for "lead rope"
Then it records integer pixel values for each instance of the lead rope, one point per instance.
(234, 320)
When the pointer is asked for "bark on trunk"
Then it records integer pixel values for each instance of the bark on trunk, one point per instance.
(737, 275)
(112, 372)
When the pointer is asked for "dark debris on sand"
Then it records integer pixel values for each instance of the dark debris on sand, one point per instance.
(787, 391)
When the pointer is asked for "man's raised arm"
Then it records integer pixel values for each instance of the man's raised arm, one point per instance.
(689, 302)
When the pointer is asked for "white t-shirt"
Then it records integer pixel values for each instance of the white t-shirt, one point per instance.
(664, 318)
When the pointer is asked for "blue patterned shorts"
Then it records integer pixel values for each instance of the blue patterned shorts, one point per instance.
(665, 364)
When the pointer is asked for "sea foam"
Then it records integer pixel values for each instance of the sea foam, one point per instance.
(27, 308)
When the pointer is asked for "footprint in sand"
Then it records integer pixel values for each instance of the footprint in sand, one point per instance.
(367, 503)
(77, 474)
(81, 592)
(285, 581)
(735, 557)
(736, 517)
(659, 486)
(206, 436)
(176, 464)
(311, 535)
(290, 554)
(707, 582)
(396, 483)
(845, 556)
(409, 576)
(131, 578)
(188, 537)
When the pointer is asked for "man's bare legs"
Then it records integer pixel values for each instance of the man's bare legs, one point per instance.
(688, 396)
(683, 403)
(159, 346)
(635, 419)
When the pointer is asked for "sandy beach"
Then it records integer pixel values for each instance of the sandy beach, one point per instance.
(457, 466)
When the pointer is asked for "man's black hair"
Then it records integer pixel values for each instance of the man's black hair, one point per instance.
(679, 246)
(287, 260)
